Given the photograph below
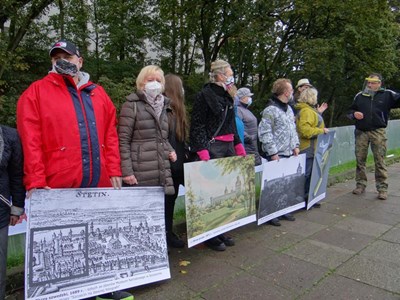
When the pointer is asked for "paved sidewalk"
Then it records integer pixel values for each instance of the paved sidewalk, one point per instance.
(347, 249)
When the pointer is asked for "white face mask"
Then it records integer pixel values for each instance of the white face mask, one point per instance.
(153, 88)
(229, 80)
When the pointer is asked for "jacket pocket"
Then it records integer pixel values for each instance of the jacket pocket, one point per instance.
(59, 159)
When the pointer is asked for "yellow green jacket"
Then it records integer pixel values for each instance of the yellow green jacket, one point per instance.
(309, 124)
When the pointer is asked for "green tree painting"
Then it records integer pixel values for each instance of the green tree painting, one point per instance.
(220, 196)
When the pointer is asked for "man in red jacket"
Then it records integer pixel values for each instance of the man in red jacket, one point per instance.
(67, 126)
(68, 130)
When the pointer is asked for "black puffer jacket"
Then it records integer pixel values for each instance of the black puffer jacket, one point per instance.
(11, 174)
(208, 113)
(375, 108)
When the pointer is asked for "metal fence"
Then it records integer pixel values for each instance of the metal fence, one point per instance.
(343, 146)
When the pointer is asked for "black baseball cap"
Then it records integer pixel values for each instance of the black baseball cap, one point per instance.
(66, 46)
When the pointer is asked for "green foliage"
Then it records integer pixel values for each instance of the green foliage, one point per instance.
(15, 261)
(8, 106)
(193, 214)
(320, 40)
(192, 85)
(122, 27)
(117, 90)
(351, 165)
(246, 167)
(395, 114)
(179, 216)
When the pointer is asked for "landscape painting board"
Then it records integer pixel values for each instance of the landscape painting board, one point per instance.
(282, 187)
(320, 170)
(219, 196)
(86, 242)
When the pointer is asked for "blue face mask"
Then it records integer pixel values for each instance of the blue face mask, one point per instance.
(249, 102)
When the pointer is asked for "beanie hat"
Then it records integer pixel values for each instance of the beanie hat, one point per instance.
(243, 92)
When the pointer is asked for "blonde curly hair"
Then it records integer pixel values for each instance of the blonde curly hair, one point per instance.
(309, 96)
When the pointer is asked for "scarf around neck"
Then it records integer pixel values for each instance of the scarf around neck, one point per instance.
(156, 103)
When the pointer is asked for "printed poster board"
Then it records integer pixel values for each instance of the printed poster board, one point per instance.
(219, 196)
(320, 170)
(282, 187)
(86, 242)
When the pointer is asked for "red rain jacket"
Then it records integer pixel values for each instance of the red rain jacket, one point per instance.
(68, 135)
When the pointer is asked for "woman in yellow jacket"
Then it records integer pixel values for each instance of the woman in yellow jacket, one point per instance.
(309, 125)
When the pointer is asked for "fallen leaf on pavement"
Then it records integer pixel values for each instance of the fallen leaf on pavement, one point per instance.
(184, 263)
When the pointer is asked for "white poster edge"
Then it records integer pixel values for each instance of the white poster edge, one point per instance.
(220, 230)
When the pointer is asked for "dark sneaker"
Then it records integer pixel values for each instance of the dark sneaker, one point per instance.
(382, 195)
(287, 217)
(174, 241)
(275, 222)
(359, 190)
(215, 244)
(227, 240)
(317, 205)
(118, 295)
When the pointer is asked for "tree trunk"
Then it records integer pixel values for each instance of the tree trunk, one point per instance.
(61, 18)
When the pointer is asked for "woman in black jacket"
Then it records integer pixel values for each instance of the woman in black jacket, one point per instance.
(177, 138)
(12, 192)
(213, 132)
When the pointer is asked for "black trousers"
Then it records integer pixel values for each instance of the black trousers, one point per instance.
(169, 204)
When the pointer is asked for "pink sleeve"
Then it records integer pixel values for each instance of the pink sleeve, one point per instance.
(239, 149)
(203, 154)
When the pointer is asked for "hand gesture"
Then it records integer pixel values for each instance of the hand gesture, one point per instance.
(321, 108)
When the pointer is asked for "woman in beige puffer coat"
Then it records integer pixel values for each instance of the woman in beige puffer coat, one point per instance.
(143, 133)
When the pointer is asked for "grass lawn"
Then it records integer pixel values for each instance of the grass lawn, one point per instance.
(351, 165)
(221, 217)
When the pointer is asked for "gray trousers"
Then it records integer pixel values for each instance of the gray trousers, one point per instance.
(3, 260)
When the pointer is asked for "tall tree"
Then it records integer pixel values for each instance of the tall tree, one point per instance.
(174, 39)
(124, 26)
(342, 50)
(20, 14)
(71, 22)
(213, 23)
